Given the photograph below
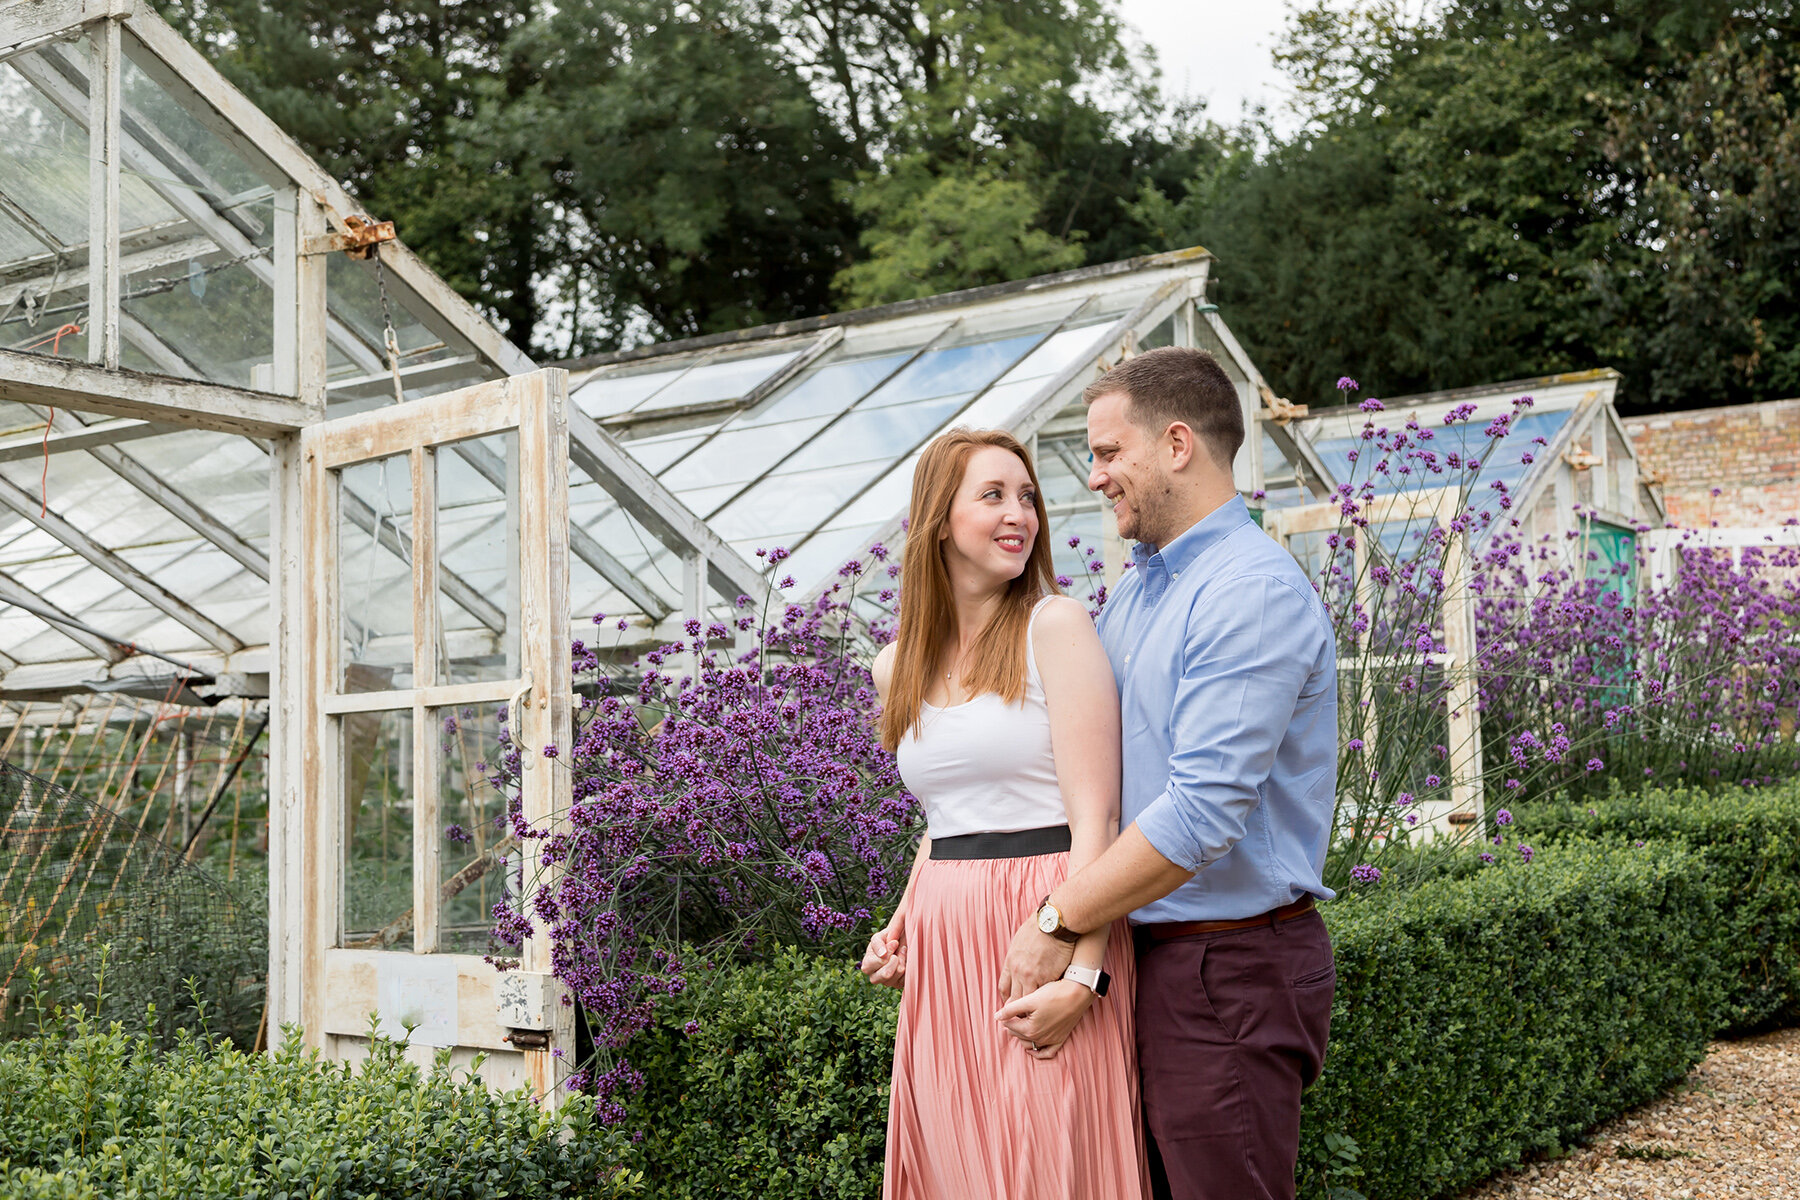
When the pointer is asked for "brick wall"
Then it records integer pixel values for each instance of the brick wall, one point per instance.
(1750, 454)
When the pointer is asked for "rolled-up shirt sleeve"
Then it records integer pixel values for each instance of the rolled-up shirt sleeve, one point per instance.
(1242, 673)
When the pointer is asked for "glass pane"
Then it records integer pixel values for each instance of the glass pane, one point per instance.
(1505, 461)
(44, 173)
(471, 859)
(816, 562)
(885, 500)
(44, 157)
(18, 242)
(784, 506)
(378, 828)
(1000, 404)
(609, 395)
(737, 455)
(375, 574)
(881, 433)
(182, 146)
(717, 381)
(478, 554)
(1162, 335)
(359, 330)
(596, 517)
(830, 389)
(1062, 467)
(1059, 351)
(706, 501)
(657, 453)
(953, 369)
(209, 316)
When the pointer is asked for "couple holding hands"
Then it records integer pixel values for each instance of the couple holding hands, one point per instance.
(1089, 1013)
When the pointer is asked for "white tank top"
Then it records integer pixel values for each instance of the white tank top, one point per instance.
(985, 766)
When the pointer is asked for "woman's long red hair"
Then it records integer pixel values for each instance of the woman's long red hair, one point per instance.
(927, 614)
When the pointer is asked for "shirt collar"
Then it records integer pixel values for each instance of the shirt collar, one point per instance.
(1198, 538)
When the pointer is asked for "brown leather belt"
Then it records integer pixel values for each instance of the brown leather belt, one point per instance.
(1170, 930)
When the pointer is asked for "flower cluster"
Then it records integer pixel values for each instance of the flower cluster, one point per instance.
(1582, 668)
(729, 793)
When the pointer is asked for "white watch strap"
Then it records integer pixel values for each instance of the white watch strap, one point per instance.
(1087, 977)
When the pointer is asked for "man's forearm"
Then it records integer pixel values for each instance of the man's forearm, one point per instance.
(1131, 874)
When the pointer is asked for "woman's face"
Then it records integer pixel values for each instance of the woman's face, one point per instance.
(993, 519)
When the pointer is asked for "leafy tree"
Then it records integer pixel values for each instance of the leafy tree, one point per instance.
(986, 150)
(600, 172)
(1718, 157)
(382, 93)
(1491, 192)
(697, 177)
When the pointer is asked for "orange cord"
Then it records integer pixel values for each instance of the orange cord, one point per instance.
(55, 339)
(55, 343)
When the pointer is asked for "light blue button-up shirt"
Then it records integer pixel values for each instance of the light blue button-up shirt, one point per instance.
(1227, 672)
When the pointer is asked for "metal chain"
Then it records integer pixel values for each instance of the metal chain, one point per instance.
(387, 327)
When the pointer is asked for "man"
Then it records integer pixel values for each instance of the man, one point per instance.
(1226, 666)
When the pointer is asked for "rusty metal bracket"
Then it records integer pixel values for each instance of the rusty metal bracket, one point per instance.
(1280, 410)
(359, 239)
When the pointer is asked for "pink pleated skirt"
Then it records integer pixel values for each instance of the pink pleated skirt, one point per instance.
(973, 1116)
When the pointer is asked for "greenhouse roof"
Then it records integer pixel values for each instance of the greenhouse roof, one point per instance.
(805, 435)
(181, 263)
(121, 535)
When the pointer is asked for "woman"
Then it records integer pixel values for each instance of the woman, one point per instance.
(1000, 706)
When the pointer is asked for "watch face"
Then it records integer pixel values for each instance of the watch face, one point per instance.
(1048, 918)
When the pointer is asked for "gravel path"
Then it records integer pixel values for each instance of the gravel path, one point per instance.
(1732, 1129)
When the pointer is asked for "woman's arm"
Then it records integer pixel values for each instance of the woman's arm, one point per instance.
(884, 961)
(1084, 736)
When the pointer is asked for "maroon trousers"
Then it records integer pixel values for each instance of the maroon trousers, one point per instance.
(1230, 1027)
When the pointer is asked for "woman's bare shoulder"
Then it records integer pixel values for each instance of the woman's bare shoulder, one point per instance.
(883, 669)
(1062, 617)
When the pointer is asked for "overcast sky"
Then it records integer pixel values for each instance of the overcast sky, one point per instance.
(1219, 49)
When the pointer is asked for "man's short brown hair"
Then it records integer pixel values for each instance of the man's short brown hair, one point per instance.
(1178, 384)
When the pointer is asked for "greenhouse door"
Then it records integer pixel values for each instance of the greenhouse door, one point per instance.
(433, 627)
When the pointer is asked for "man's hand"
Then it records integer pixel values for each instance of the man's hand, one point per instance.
(1044, 1019)
(884, 961)
(1034, 959)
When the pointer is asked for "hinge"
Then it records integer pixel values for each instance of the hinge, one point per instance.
(359, 239)
(1280, 410)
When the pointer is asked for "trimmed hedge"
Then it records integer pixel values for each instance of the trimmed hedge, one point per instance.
(1480, 1021)
(781, 1089)
(96, 1112)
(1482, 1017)
(1751, 841)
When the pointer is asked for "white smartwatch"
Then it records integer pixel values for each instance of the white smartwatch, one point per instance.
(1092, 978)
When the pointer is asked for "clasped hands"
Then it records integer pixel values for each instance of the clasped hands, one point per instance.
(1042, 1007)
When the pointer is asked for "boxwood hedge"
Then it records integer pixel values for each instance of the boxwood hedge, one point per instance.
(1751, 842)
(1482, 1017)
(92, 1111)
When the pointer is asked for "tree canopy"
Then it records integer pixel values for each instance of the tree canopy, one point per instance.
(1509, 188)
(1493, 189)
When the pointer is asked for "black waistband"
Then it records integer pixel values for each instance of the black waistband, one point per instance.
(1026, 843)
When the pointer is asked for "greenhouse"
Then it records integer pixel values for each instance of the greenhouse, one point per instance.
(262, 470)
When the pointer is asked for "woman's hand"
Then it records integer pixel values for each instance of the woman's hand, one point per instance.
(1044, 1019)
(884, 961)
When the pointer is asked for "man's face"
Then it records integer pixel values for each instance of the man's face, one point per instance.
(1130, 469)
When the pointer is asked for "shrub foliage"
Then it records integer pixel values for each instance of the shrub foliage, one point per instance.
(1485, 1015)
(88, 1110)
